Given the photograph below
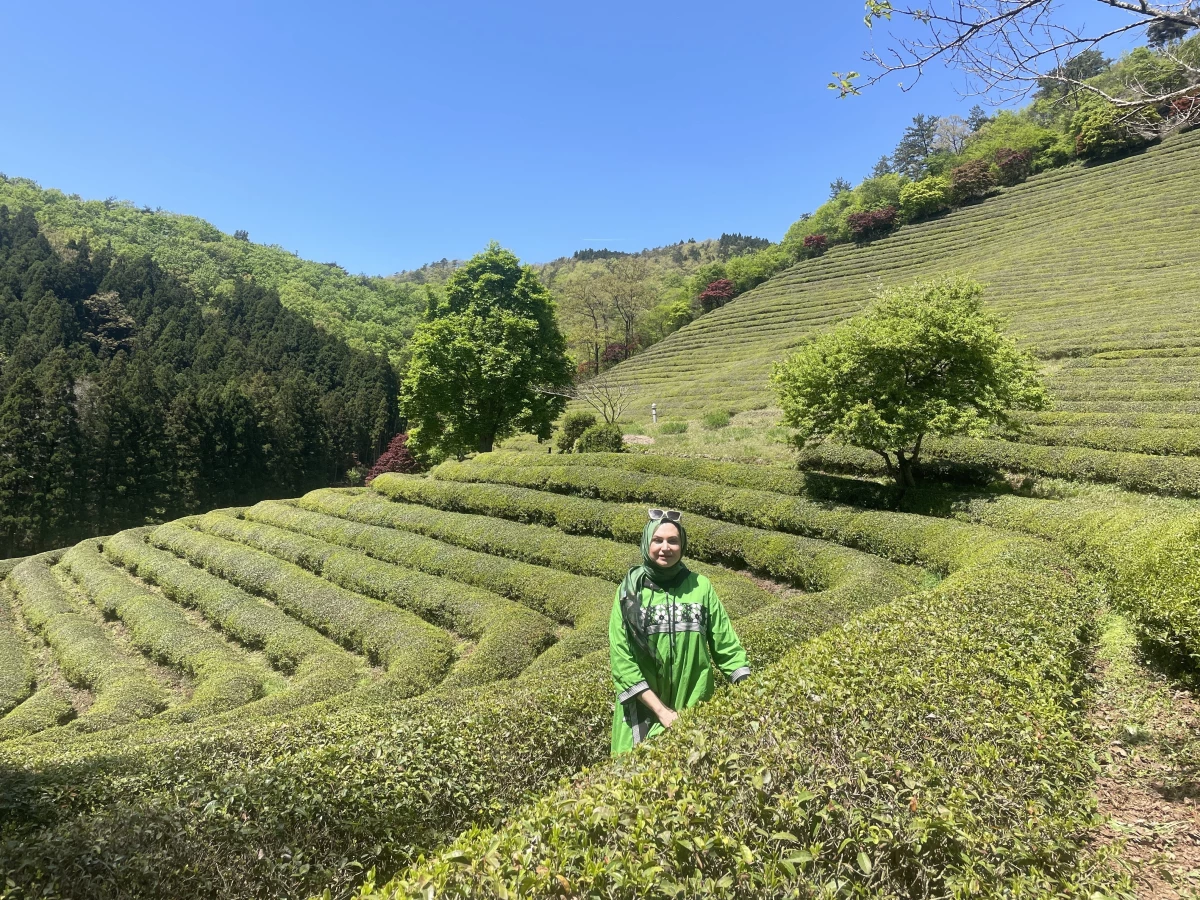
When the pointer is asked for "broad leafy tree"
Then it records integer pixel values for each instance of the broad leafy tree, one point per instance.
(490, 339)
(925, 359)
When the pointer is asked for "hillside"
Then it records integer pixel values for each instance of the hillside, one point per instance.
(368, 312)
(1094, 268)
(976, 688)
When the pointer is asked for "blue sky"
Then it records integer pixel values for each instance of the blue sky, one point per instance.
(386, 135)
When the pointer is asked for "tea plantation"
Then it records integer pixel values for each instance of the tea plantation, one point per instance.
(1096, 270)
(402, 690)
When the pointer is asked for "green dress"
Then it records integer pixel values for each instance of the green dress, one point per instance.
(686, 625)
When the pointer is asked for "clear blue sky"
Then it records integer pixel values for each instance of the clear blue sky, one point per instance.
(386, 135)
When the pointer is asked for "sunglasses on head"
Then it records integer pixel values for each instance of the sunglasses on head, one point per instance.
(670, 515)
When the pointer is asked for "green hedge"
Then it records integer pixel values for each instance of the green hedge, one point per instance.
(535, 544)
(48, 706)
(415, 653)
(900, 537)
(813, 565)
(930, 748)
(777, 479)
(223, 677)
(581, 601)
(508, 636)
(1149, 556)
(319, 667)
(87, 657)
(1176, 476)
(285, 808)
(16, 672)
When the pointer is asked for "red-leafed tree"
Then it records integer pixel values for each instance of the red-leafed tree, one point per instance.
(717, 294)
(815, 245)
(1014, 165)
(396, 458)
(871, 224)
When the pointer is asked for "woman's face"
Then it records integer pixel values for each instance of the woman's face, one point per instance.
(664, 546)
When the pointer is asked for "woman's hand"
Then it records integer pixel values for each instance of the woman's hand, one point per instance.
(666, 715)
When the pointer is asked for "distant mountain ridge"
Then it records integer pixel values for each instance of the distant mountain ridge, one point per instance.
(368, 312)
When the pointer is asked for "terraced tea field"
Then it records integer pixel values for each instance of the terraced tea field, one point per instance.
(1096, 270)
(412, 678)
(270, 701)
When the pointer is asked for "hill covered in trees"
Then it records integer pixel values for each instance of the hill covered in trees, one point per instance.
(127, 398)
(367, 312)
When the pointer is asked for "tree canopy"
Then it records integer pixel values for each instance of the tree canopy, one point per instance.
(489, 340)
(925, 359)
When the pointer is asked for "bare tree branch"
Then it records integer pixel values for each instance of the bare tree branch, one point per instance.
(1009, 47)
(604, 394)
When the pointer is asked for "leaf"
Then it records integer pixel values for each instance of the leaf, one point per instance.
(864, 863)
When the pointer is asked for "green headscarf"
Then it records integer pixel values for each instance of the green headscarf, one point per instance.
(649, 570)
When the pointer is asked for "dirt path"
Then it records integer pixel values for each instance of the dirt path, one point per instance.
(1148, 745)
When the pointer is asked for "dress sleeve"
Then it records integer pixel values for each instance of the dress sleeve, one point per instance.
(628, 680)
(726, 649)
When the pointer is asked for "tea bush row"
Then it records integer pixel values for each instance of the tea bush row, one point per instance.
(820, 777)
(318, 667)
(530, 543)
(16, 672)
(1149, 557)
(1178, 476)
(900, 537)
(759, 477)
(223, 677)
(1153, 441)
(508, 636)
(813, 565)
(86, 654)
(415, 654)
(581, 601)
(48, 706)
(287, 807)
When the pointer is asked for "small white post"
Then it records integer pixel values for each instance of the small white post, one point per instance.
(654, 413)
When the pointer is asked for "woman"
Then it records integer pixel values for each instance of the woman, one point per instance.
(666, 629)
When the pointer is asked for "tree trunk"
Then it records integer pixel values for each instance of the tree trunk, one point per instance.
(905, 466)
(485, 442)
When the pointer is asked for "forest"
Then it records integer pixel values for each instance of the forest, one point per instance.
(126, 398)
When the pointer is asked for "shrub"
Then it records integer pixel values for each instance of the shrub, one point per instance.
(603, 438)
(806, 563)
(673, 426)
(397, 458)
(415, 653)
(509, 636)
(287, 808)
(292, 648)
(86, 655)
(716, 294)
(1013, 166)
(815, 245)
(16, 672)
(573, 425)
(874, 223)
(922, 199)
(1099, 130)
(971, 181)
(224, 678)
(529, 543)
(48, 706)
(715, 420)
(818, 771)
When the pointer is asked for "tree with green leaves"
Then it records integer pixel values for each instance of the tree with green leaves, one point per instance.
(489, 340)
(925, 359)
(916, 145)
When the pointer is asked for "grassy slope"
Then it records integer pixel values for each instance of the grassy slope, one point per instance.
(368, 312)
(1084, 261)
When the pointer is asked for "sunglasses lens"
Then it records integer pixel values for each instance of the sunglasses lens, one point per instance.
(672, 515)
(656, 514)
